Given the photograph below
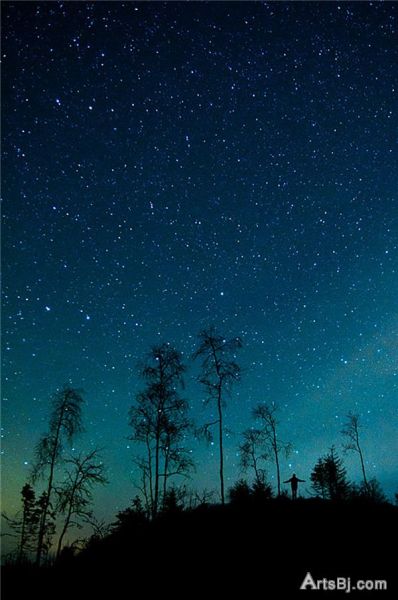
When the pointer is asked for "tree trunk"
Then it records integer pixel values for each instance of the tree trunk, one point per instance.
(220, 422)
(68, 516)
(22, 542)
(158, 435)
(363, 467)
(256, 472)
(278, 474)
(156, 494)
(43, 519)
(64, 530)
(220, 432)
(166, 469)
(150, 474)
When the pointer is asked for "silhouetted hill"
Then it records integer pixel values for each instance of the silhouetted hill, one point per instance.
(243, 548)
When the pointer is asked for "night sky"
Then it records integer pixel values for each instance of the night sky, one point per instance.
(168, 166)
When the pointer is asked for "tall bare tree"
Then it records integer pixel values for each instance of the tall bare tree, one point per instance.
(177, 459)
(65, 422)
(253, 453)
(75, 493)
(266, 415)
(159, 419)
(219, 371)
(351, 432)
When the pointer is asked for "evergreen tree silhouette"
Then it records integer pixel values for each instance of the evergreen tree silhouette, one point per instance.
(329, 477)
(24, 525)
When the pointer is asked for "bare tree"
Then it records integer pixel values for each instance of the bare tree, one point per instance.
(145, 483)
(266, 414)
(100, 528)
(219, 372)
(75, 493)
(65, 423)
(351, 432)
(253, 453)
(176, 458)
(195, 498)
(159, 421)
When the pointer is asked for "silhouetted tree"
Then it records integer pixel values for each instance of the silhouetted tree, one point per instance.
(338, 485)
(176, 458)
(240, 492)
(159, 421)
(24, 525)
(75, 493)
(319, 479)
(371, 491)
(194, 498)
(131, 516)
(100, 527)
(65, 423)
(329, 478)
(47, 524)
(173, 501)
(252, 453)
(219, 372)
(266, 414)
(351, 432)
(261, 490)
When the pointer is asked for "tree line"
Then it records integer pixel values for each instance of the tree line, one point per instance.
(161, 424)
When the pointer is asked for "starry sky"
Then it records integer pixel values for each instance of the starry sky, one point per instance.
(168, 166)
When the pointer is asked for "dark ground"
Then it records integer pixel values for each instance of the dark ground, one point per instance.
(245, 551)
